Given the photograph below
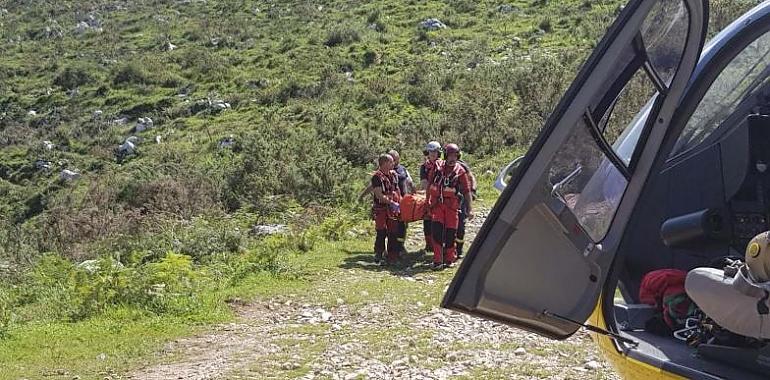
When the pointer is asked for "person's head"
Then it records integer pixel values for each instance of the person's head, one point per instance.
(758, 257)
(385, 162)
(451, 153)
(432, 150)
(396, 157)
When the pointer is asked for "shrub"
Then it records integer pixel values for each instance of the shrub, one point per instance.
(73, 77)
(131, 73)
(342, 36)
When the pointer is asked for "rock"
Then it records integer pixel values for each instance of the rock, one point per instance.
(43, 165)
(69, 175)
(506, 8)
(53, 30)
(157, 139)
(289, 366)
(326, 316)
(593, 365)
(144, 123)
(48, 145)
(120, 121)
(90, 24)
(226, 143)
(32, 113)
(520, 351)
(126, 149)
(97, 114)
(168, 46)
(432, 24)
(268, 229)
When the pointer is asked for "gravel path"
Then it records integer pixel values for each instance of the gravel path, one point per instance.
(390, 338)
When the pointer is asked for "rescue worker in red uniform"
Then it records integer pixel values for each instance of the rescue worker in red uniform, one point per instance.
(431, 152)
(447, 180)
(385, 209)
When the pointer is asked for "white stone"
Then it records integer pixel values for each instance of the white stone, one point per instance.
(48, 145)
(593, 365)
(432, 24)
(520, 351)
(69, 175)
(32, 113)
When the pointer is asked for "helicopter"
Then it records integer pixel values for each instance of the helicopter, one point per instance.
(604, 196)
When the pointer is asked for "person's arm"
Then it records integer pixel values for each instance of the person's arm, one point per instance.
(409, 183)
(465, 182)
(423, 178)
(382, 197)
(366, 191)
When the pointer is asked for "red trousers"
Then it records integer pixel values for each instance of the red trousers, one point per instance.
(386, 227)
(445, 219)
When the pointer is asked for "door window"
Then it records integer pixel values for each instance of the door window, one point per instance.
(591, 169)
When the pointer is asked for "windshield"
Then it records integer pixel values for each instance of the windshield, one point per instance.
(747, 72)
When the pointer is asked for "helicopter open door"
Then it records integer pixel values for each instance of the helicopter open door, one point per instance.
(541, 259)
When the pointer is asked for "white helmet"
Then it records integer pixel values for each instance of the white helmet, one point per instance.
(758, 257)
(433, 146)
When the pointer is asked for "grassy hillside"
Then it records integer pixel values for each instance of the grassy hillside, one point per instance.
(262, 112)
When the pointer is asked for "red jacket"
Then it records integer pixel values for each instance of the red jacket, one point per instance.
(445, 182)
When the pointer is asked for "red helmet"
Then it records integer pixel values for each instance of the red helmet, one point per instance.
(451, 148)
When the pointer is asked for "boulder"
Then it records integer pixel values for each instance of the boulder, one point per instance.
(43, 165)
(90, 24)
(69, 175)
(144, 123)
(126, 149)
(432, 24)
(506, 8)
(269, 229)
(48, 145)
(120, 121)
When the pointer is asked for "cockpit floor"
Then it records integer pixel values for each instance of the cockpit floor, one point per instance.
(673, 355)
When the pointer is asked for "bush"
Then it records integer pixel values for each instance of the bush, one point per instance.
(342, 36)
(131, 73)
(73, 77)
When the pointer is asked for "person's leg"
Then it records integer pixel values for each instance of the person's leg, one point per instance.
(401, 237)
(393, 244)
(427, 230)
(460, 238)
(380, 226)
(437, 234)
(450, 254)
(451, 222)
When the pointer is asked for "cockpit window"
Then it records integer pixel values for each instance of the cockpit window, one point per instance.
(747, 72)
(664, 34)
